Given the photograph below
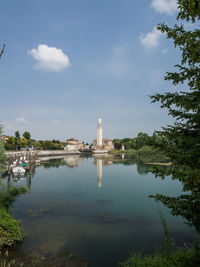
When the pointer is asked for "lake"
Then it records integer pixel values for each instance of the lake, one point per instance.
(95, 209)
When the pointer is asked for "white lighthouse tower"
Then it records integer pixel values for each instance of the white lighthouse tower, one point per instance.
(99, 134)
(99, 147)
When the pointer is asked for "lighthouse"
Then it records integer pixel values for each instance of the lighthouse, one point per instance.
(99, 134)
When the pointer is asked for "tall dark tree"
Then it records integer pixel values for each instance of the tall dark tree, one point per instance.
(17, 140)
(27, 135)
(181, 141)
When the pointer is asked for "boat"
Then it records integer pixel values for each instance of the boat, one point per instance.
(18, 171)
(24, 165)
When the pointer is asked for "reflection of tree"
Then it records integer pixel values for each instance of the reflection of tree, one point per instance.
(127, 159)
(143, 168)
(54, 163)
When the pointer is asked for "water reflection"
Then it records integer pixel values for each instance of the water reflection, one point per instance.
(75, 213)
(99, 172)
(72, 161)
(12, 180)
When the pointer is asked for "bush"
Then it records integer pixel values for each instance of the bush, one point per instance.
(10, 229)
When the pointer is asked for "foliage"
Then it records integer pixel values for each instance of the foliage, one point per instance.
(179, 258)
(36, 144)
(27, 135)
(181, 141)
(10, 144)
(50, 145)
(10, 228)
(17, 135)
(17, 140)
(142, 139)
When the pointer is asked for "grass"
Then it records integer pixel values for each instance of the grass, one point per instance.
(179, 258)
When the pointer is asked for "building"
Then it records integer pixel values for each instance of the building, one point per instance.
(73, 144)
(4, 138)
(107, 144)
(101, 143)
(71, 148)
(72, 141)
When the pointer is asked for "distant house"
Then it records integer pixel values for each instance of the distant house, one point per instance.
(107, 144)
(4, 138)
(74, 142)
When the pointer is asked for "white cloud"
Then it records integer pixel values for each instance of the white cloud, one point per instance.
(168, 7)
(21, 120)
(49, 58)
(151, 39)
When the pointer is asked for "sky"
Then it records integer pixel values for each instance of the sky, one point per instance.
(69, 62)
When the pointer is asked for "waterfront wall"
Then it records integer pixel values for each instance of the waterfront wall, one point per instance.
(44, 153)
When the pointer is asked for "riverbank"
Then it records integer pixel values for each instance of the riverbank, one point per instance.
(10, 229)
(45, 153)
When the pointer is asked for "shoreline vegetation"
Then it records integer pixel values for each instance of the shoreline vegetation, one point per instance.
(11, 231)
(146, 155)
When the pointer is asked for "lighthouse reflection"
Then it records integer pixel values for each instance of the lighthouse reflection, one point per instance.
(99, 172)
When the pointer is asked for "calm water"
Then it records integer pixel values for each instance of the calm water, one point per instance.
(97, 209)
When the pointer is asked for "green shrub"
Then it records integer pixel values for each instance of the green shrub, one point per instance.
(10, 229)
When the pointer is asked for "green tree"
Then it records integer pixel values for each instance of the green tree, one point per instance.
(142, 140)
(117, 143)
(17, 135)
(10, 144)
(36, 144)
(23, 142)
(17, 140)
(27, 135)
(181, 141)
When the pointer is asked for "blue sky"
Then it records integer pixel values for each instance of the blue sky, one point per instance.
(69, 62)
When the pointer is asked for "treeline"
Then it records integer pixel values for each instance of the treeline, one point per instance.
(143, 147)
(142, 139)
(19, 142)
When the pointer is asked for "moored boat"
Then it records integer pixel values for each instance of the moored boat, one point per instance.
(18, 171)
